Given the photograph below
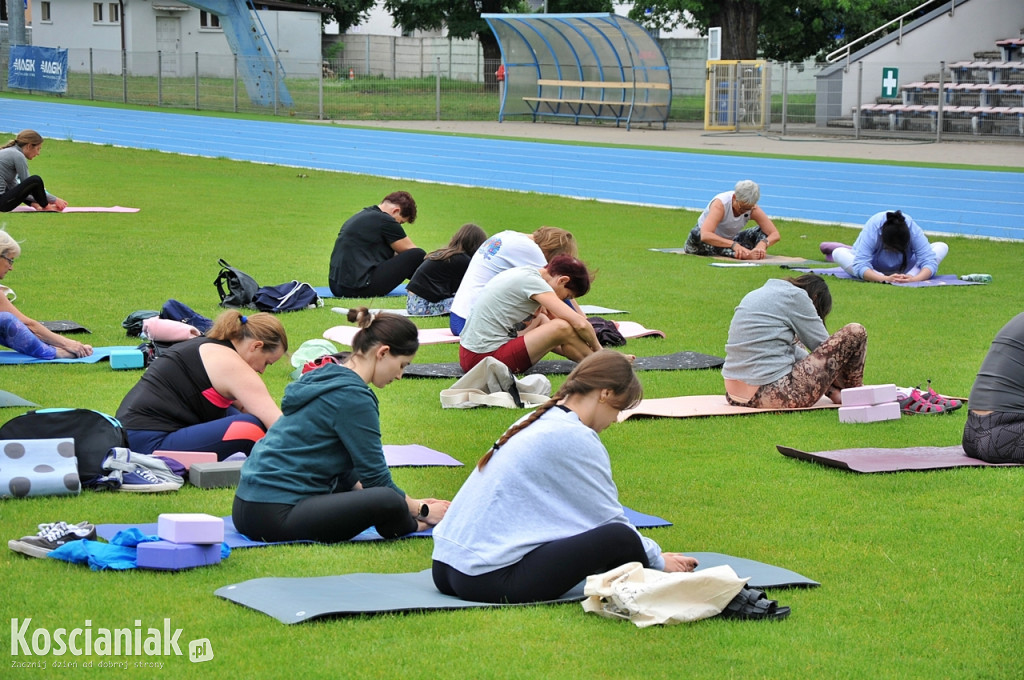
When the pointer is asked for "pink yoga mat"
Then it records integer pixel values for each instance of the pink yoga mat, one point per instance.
(81, 209)
(435, 336)
(704, 405)
(891, 460)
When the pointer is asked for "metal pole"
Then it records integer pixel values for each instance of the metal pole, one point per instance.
(15, 22)
(124, 77)
(938, 115)
(275, 88)
(734, 82)
(367, 54)
(92, 88)
(159, 78)
(860, 87)
(197, 81)
(437, 94)
(785, 97)
(234, 83)
(321, 94)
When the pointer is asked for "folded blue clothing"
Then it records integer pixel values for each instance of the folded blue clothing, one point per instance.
(118, 555)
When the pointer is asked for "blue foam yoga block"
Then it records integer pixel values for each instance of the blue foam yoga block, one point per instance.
(126, 358)
(168, 556)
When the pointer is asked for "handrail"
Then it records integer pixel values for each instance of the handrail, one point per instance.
(846, 50)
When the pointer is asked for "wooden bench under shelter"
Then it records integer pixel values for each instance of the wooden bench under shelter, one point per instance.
(597, 99)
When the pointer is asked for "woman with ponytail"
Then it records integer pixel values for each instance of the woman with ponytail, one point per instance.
(206, 394)
(540, 512)
(891, 248)
(320, 473)
(16, 185)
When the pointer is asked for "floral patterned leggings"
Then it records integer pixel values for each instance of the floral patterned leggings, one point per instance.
(836, 364)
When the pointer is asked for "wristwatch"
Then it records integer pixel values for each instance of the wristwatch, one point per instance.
(424, 512)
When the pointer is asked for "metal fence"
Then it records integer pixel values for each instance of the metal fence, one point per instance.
(445, 83)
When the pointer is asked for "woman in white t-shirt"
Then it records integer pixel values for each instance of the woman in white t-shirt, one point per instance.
(505, 250)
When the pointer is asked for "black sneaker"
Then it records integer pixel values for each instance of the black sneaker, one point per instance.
(52, 536)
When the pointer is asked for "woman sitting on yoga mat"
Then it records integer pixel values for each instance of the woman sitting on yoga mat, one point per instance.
(540, 512)
(891, 248)
(721, 228)
(521, 315)
(505, 250)
(994, 431)
(432, 287)
(206, 394)
(767, 364)
(16, 185)
(373, 254)
(21, 333)
(320, 473)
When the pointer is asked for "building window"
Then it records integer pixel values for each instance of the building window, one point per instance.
(44, 11)
(115, 13)
(207, 20)
(97, 12)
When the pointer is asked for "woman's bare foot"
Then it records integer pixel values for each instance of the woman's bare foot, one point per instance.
(64, 354)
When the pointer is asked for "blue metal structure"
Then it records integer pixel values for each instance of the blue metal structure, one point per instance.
(591, 65)
(257, 59)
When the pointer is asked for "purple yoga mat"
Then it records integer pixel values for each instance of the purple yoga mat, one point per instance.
(78, 209)
(891, 460)
(412, 455)
(940, 280)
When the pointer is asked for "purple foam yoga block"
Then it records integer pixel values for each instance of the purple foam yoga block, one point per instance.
(190, 527)
(174, 556)
(869, 414)
(868, 395)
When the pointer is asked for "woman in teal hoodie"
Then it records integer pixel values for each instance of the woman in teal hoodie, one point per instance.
(319, 474)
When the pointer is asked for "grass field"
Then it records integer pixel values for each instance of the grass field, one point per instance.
(919, 571)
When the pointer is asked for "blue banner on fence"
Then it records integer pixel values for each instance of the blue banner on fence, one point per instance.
(38, 68)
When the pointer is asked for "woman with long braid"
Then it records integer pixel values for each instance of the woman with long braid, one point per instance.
(540, 512)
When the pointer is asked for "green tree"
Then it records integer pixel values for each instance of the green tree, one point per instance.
(782, 30)
(347, 13)
(463, 18)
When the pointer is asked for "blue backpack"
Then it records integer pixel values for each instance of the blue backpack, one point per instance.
(179, 311)
(286, 297)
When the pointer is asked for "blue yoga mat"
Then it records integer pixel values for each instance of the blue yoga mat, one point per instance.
(325, 291)
(940, 280)
(98, 354)
(234, 539)
(294, 600)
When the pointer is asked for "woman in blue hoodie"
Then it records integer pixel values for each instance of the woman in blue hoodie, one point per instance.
(320, 474)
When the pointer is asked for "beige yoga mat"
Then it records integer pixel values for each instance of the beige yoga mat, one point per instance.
(699, 405)
(343, 335)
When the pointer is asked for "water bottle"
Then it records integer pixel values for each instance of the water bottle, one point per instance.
(977, 278)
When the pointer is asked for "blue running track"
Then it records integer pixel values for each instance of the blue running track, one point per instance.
(967, 202)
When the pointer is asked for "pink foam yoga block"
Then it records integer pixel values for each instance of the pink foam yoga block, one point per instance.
(187, 458)
(869, 414)
(125, 358)
(868, 395)
(190, 527)
(174, 556)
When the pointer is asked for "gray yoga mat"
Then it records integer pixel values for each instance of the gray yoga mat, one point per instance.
(869, 460)
(65, 326)
(938, 280)
(294, 600)
(11, 399)
(665, 362)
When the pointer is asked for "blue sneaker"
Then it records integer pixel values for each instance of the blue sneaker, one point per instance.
(135, 477)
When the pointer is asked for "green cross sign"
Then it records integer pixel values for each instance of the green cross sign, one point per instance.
(889, 82)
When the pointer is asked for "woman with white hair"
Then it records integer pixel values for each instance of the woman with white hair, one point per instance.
(721, 229)
(21, 333)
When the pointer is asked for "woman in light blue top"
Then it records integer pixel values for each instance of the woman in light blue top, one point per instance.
(540, 512)
(891, 248)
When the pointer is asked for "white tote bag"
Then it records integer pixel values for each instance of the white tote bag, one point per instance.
(491, 383)
(648, 597)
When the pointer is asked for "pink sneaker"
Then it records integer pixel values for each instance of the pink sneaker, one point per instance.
(947, 403)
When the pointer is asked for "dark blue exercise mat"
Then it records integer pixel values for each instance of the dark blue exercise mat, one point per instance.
(98, 354)
(294, 600)
(234, 539)
(666, 362)
(11, 399)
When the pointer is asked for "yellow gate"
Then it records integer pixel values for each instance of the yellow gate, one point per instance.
(737, 95)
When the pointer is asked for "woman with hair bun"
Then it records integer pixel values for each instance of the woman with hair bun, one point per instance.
(16, 185)
(206, 394)
(320, 473)
(521, 315)
(540, 512)
(891, 248)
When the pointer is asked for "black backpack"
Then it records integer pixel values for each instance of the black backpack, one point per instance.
(240, 286)
(94, 434)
